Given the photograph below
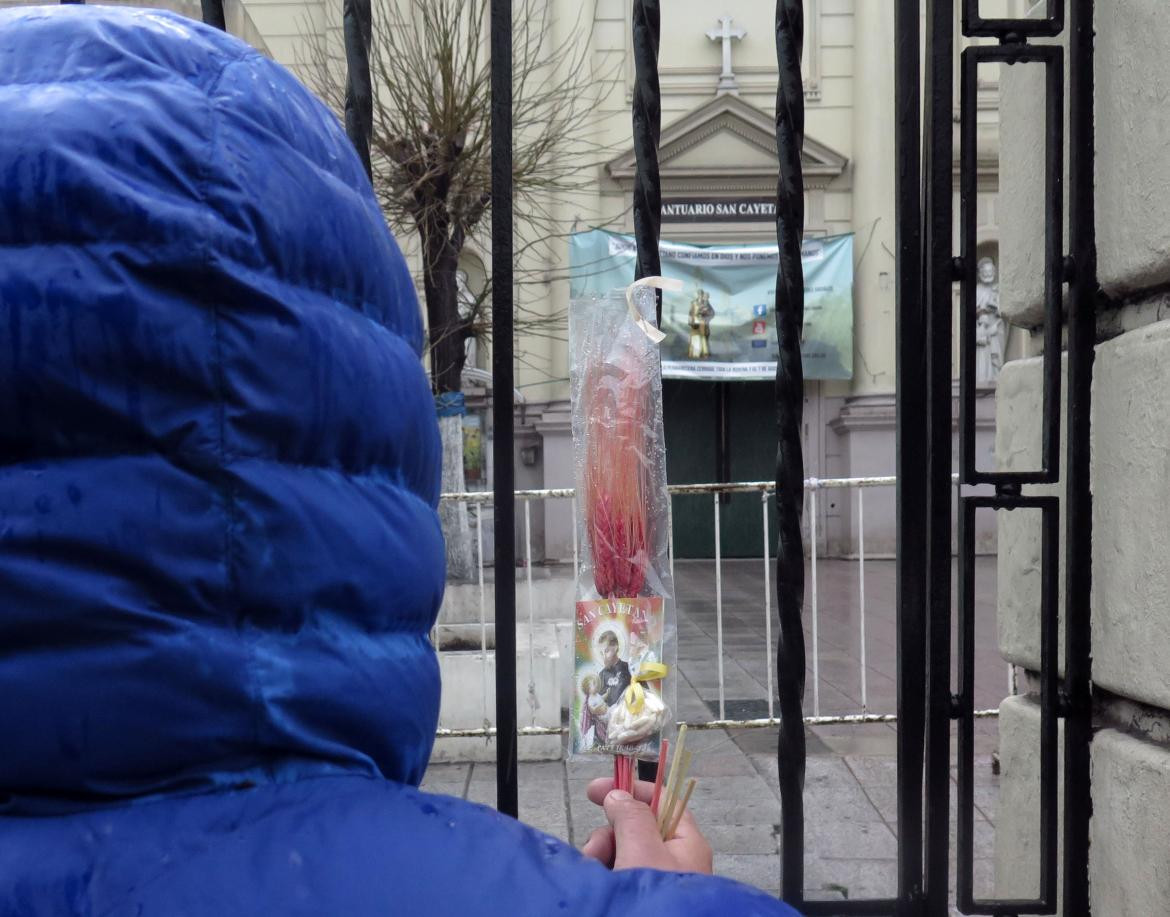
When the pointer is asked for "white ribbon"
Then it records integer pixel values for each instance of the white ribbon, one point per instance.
(658, 283)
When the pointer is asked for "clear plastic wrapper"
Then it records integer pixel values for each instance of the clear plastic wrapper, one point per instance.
(624, 676)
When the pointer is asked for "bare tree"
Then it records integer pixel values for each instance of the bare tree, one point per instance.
(431, 159)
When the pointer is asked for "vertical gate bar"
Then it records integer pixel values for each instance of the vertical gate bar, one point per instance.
(911, 451)
(1051, 57)
(532, 699)
(1049, 686)
(968, 237)
(1050, 562)
(1053, 257)
(359, 92)
(719, 602)
(965, 809)
(1079, 515)
(503, 419)
(647, 193)
(1045, 902)
(790, 659)
(816, 611)
(647, 117)
(723, 443)
(938, 190)
(212, 13)
(861, 593)
(482, 612)
(768, 606)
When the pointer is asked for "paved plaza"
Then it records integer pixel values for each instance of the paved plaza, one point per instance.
(850, 789)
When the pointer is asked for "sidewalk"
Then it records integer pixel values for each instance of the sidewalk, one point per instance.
(850, 786)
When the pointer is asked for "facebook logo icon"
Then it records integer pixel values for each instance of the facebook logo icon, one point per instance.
(760, 311)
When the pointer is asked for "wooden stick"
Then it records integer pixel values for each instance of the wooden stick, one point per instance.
(663, 757)
(682, 763)
(681, 809)
(672, 779)
(678, 776)
(668, 793)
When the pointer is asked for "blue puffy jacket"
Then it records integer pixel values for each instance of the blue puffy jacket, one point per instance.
(219, 551)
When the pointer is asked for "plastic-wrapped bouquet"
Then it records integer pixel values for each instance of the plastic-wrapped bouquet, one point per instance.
(623, 636)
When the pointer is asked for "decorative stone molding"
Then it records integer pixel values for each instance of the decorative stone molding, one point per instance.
(728, 115)
(706, 79)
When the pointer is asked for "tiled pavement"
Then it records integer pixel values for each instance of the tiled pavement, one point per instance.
(850, 787)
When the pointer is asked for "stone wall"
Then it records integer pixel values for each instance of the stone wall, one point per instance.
(1130, 845)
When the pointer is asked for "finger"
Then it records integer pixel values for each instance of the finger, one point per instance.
(689, 848)
(635, 833)
(600, 788)
(600, 846)
(687, 826)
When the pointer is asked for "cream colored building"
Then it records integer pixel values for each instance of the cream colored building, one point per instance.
(717, 142)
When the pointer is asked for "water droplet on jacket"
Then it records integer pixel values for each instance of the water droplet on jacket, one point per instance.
(428, 809)
(450, 824)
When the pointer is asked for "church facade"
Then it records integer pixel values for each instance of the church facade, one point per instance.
(718, 167)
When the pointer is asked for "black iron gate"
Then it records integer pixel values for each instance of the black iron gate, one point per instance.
(926, 273)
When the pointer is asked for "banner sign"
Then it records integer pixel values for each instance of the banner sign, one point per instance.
(719, 210)
(722, 326)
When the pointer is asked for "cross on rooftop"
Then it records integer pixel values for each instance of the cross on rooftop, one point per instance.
(726, 34)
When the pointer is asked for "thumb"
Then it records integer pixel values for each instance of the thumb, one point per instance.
(636, 838)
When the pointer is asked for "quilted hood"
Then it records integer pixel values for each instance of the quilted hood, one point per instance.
(219, 460)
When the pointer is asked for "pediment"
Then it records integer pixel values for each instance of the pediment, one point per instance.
(727, 140)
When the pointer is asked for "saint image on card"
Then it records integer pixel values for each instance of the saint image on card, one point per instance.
(617, 640)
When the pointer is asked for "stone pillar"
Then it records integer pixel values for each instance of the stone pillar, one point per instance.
(864, 426)
(1130, 471)
(873, 167)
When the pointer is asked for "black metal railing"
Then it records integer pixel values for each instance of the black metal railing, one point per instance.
(357, 24)
(646, 112)
(1070, 700)
(1008, 483)
(1076, 698)
(503, 420)
(212, 14)
(910, 369)
(790, 655)
(926, 272)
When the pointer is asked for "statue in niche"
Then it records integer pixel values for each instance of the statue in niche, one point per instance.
(990, 330)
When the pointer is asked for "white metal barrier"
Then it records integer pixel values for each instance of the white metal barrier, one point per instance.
(764, 488)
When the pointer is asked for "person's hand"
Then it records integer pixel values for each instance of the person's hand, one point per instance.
(631, 839)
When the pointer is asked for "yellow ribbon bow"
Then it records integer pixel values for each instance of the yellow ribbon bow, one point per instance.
(635, 696)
